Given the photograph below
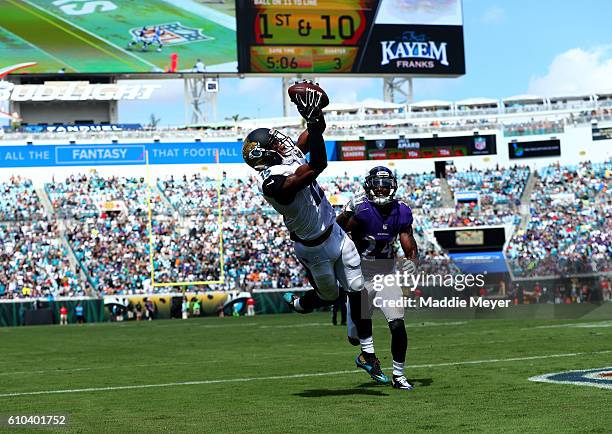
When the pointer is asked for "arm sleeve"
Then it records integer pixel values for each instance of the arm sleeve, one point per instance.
(316, 144)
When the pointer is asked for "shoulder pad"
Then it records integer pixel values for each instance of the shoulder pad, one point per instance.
(404, 205)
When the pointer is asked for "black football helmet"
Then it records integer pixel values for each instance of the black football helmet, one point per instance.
(265, 147)
(380, 185)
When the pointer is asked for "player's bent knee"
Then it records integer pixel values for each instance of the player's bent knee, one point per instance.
(353, 341)
(357, 284)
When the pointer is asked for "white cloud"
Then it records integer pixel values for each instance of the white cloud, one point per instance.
(576, 71)
(493, 14)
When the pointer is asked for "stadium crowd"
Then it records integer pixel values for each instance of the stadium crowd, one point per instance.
(34, 262)
(534, 127)
(497, 191)
(569, 230)
(19, 201)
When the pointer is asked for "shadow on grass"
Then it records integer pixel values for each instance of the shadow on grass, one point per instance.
(370, 388)
(416, 382)
(420, 382)
(317, 393)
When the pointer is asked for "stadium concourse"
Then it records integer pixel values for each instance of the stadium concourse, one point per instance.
(56, 239)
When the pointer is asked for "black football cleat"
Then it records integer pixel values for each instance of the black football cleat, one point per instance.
(289, 298)
(371, 365)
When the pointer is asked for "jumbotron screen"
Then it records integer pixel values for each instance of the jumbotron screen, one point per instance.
(118, 36)
(350, 36)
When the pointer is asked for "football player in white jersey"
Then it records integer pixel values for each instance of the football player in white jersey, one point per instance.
(288, 182)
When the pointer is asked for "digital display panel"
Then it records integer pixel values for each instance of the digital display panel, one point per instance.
(427, 147)
(533, 149)
(118, 36)
(469, 238)
(350, 36)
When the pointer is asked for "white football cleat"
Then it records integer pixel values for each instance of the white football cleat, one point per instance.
(401, 383)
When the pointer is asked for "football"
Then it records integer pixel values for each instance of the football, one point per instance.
(309, 93)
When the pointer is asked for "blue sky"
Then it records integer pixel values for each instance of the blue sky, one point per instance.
(512, 47)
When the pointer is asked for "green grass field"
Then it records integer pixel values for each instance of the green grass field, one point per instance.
(294, 373)
(91, 37)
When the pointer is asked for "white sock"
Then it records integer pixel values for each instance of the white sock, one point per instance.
(398, 369)
(297, 305)
(367, 345)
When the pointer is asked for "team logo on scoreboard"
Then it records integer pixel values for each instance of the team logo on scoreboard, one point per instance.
(413, 50)
(480, 143)
(518, 150)
(170, 33)
(601, 378)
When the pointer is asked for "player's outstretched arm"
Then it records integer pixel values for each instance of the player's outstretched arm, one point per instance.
(310, 100)
(316, 144)
(285, 189)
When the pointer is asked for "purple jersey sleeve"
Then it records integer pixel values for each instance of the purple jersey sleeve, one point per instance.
(405, 220)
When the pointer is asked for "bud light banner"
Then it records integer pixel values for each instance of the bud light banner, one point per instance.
(414, 49)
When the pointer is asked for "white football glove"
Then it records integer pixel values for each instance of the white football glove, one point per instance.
(309, 104)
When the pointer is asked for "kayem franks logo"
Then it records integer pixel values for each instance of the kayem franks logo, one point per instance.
(410, 48)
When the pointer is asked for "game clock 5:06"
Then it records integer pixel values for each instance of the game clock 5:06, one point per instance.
(302, 59)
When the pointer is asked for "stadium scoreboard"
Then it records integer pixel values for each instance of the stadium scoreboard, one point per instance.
(350, 36)
(236, 37)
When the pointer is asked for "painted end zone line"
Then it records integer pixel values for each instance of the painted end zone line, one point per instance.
(286, 377)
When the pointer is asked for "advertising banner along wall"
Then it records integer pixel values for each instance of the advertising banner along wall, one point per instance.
(428, 147)
(125, 154)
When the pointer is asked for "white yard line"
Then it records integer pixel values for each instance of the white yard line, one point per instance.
(599, 324)
(289, 377)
